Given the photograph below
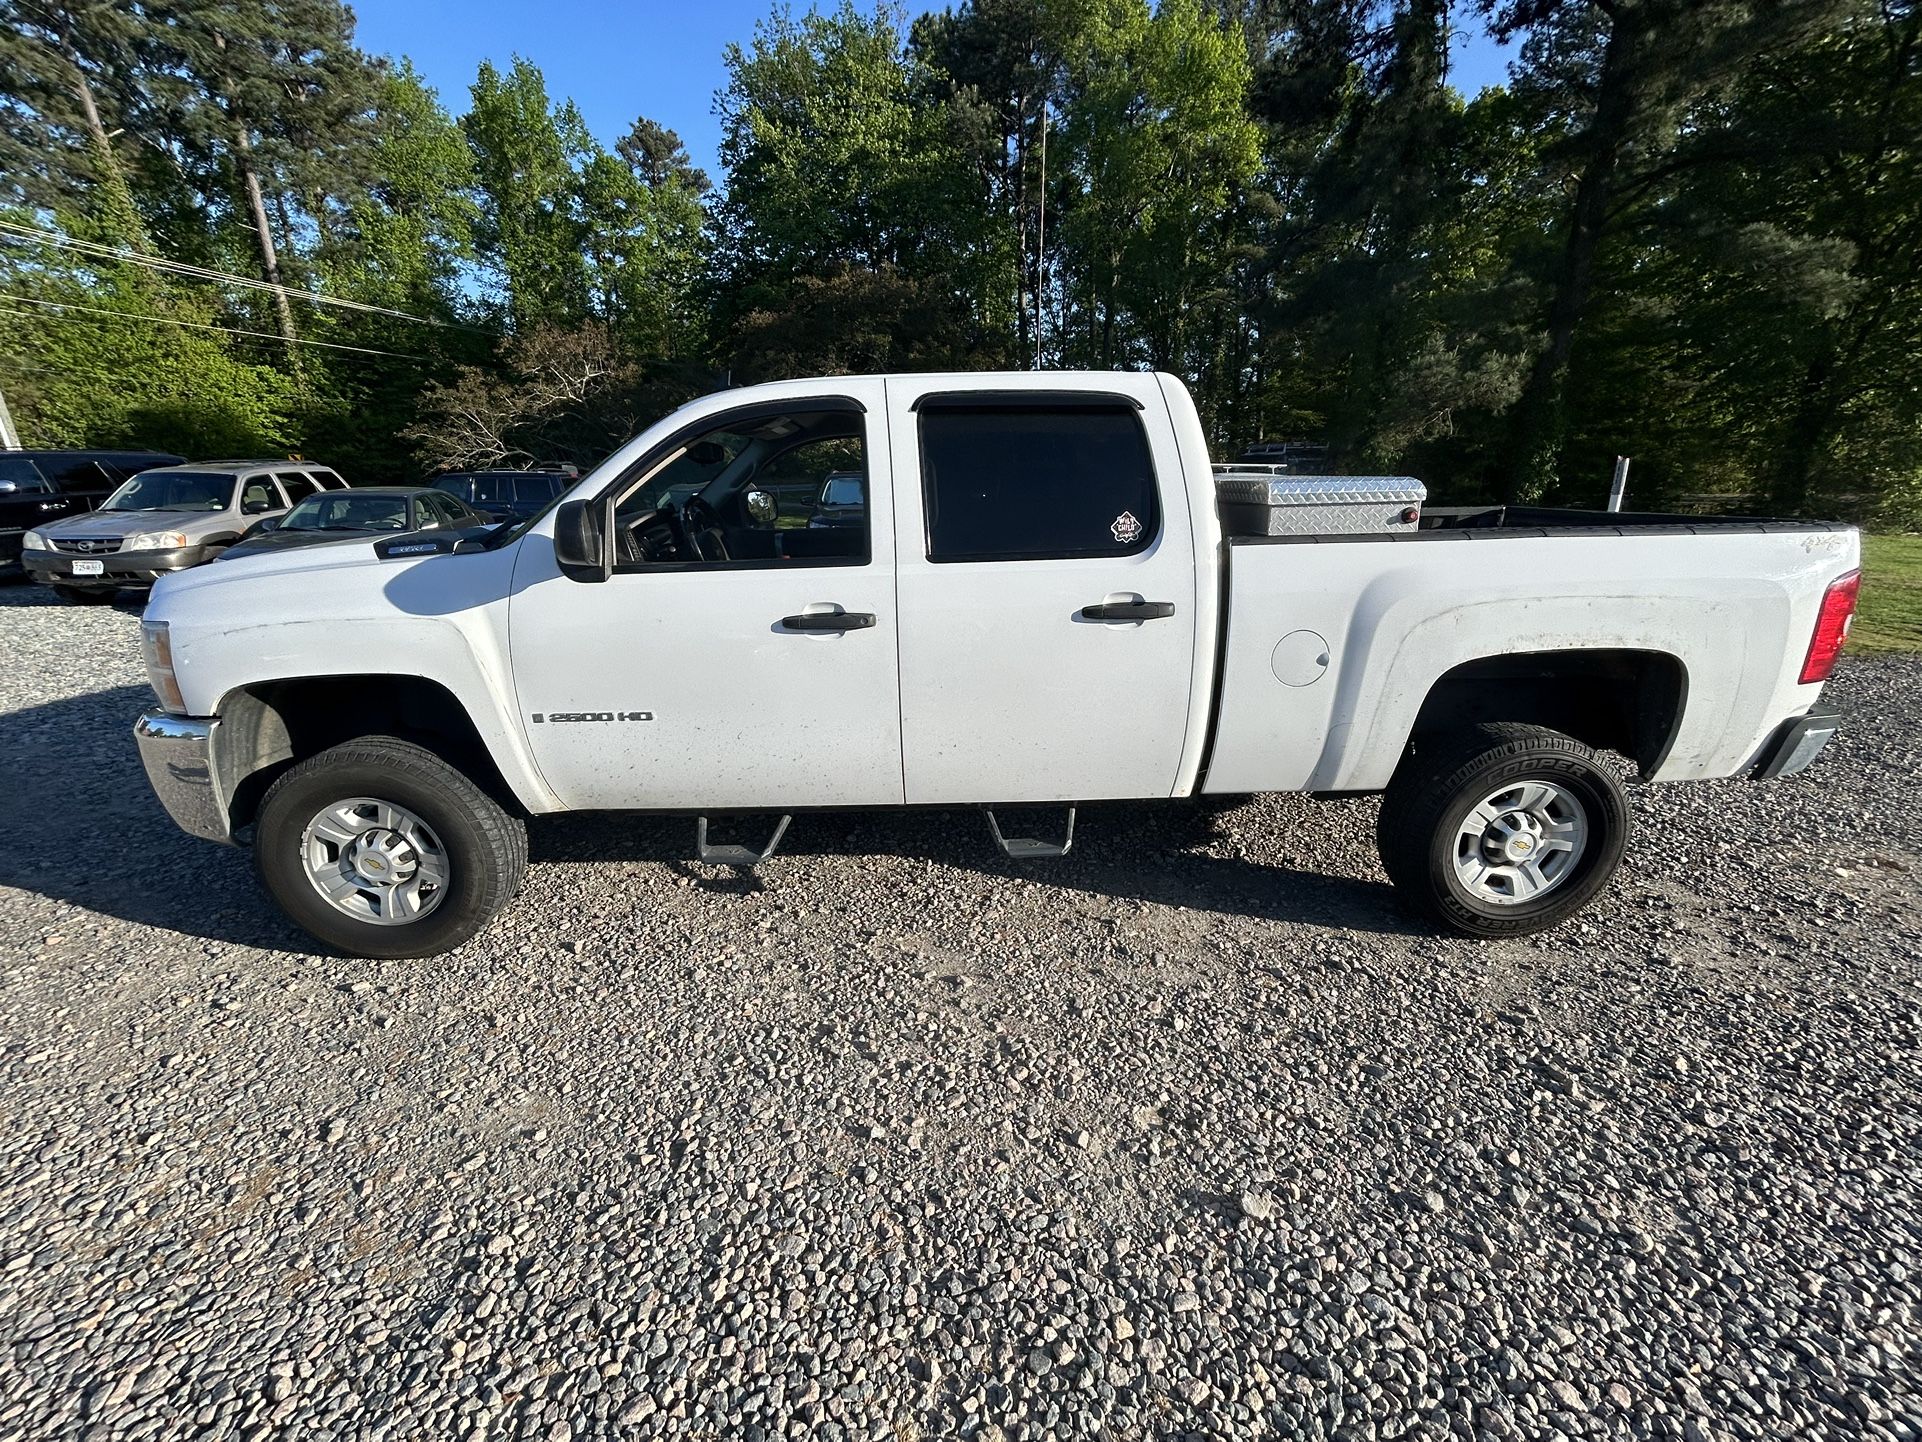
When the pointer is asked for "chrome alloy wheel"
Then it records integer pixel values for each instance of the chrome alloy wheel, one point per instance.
(375, 861)
(1520, 843)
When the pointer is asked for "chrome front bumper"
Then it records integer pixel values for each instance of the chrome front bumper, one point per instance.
(178, 752)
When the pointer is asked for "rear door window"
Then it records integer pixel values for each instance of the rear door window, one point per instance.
(1024, 480)
(78, 476)
(297, 486)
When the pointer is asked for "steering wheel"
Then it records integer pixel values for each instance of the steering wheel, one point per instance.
(700, 531)
(651, 536)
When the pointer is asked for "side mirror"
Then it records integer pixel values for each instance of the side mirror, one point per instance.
(761, 508)
(582, 544)
(7, 488)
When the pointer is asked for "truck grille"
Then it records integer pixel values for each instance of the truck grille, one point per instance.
(88, 545)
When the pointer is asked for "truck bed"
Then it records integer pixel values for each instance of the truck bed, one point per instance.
(1333, 642)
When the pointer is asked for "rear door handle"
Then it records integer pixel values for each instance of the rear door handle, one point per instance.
(829, 621)
(1128, 610)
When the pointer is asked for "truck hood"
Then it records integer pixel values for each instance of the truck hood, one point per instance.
(133, 523)
(292, 540)
(298, 569)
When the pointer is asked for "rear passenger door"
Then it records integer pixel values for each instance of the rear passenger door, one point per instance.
(1046, 580)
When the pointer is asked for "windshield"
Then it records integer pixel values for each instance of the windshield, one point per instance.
(344, 511)
(173, 491)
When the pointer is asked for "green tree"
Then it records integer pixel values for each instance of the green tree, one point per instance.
(530, 232)
(842, 162)
(1154, 149)
(1613, 79)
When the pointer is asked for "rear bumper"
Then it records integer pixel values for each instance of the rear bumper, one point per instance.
(178, 752)
(121, 568)
(1797, 742)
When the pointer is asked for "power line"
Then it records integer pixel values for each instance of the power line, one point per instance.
(197, 325)
(21, 234)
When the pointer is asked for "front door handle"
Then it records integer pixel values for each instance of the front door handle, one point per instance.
(1128, 610)
(829, 621)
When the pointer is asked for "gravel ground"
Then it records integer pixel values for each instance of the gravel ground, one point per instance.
(1189, 1135)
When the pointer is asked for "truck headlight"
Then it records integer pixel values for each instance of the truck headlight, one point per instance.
(156, 646)
(156, 541)
(34, 541)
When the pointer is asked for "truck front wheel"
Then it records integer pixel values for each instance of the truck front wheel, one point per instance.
(379, 848)
(1502, 829)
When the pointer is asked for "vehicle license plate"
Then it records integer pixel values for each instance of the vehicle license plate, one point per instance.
(89, 568)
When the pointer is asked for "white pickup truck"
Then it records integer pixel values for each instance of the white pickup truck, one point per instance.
(1042, 593)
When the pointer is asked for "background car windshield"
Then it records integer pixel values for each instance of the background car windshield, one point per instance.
(173, 491)
(343, 511)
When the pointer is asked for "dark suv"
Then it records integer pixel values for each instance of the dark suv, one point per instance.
(40, 486)
(505, 495)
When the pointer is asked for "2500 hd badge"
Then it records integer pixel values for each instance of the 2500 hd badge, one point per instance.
(593, 716)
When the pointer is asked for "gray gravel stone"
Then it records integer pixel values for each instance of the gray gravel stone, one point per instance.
(899, 1139)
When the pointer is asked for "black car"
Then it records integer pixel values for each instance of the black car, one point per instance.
(39, 486)
(362, 511)
(842, 501)
(505, 495)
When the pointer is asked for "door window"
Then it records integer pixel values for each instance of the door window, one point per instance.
(258, 496)
(19, 474)
(1017, 481)
(297, 486)
(747, 493)
(81, 477)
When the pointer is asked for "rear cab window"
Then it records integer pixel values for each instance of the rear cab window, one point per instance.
(1040, 477)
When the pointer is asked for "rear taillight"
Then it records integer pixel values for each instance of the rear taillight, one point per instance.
(1831, 627)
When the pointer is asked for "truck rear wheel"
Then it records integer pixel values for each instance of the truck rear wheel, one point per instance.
(379, 848)
(1502, 829)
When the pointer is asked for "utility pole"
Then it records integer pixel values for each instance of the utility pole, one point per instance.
(9, 437)
(257, 205)
(1041, 236)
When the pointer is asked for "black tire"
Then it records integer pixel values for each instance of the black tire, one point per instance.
(486, 848)
(1441, 782)
(84, 595)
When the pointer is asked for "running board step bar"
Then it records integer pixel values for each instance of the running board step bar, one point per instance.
(1028, 848)
(726, 855)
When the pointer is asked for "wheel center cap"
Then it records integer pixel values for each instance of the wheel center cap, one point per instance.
(381, 858)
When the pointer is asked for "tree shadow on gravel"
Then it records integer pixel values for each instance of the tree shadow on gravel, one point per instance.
(1128, 851)
(79, 823)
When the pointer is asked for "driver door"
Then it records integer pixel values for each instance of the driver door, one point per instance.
(765, 680)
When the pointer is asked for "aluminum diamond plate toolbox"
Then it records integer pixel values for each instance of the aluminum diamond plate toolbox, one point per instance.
(1271, 501)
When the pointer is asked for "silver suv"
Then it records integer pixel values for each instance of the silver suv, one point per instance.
(162, 521)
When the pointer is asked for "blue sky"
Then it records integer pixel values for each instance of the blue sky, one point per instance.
(621, 58)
